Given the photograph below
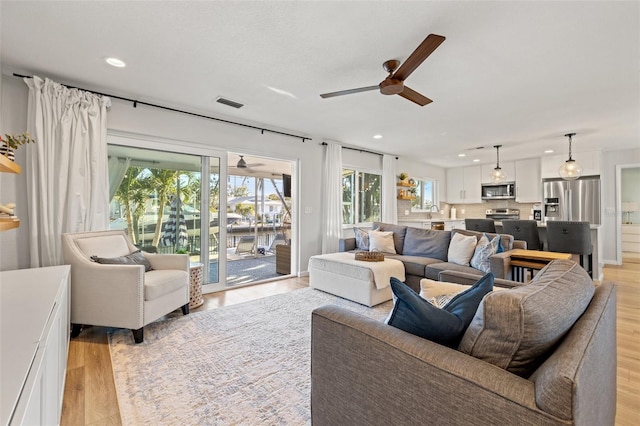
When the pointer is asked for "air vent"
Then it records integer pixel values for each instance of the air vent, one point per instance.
(477, 148)
(229, 102)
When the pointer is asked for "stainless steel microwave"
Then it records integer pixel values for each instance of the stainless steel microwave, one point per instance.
(499, 191)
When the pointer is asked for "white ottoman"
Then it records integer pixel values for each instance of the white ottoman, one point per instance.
(362, 282)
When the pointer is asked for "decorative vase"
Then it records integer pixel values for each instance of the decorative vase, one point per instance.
(7, 151)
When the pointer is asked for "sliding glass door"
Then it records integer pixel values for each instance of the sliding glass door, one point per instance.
(162, 200)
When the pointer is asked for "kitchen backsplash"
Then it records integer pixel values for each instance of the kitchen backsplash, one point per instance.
(470, 210)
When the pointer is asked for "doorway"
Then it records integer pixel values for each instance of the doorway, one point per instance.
(259, 215)
(628, 177)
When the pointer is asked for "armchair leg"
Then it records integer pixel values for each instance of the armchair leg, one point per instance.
(138, 335)
(75, 330)
(185, 309)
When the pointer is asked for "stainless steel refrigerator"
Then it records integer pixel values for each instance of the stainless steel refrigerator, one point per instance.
(572, 199)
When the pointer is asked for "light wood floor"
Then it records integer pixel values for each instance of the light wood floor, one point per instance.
(90, 396)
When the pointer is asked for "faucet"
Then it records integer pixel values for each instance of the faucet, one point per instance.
(437, 210)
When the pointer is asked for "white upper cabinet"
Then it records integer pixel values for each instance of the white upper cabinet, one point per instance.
(508, 168)
(589, 160)
(463, 185)
(528, 181)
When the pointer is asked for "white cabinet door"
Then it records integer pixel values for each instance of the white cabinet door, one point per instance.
(455, 185)
(472, 184)
(589, 160)
(528, 181)
(463, 185)
(508, 168)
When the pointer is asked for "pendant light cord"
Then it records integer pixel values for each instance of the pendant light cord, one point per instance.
(497, 147)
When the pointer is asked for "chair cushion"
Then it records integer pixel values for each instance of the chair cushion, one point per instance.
(445, 326)
(135, 258)
(104, 246)
(157, 283)
(517, 328)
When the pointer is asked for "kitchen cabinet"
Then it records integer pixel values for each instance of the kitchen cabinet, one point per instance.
(589, 160)
(528, 181)
(508, 168)
(630, 238)
(35, 342)
(463, 185)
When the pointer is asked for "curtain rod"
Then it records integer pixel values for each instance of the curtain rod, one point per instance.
(136, 102)
(360, 150)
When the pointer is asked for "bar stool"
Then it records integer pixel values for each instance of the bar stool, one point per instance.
(480, 225)
(571, 237)
(524, 230)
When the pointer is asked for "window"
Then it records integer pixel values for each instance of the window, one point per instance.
(360, 196)
(425, 195)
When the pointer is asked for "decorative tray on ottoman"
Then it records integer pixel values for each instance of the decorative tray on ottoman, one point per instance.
(370, 256)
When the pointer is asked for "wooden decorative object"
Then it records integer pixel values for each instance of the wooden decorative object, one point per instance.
(370, 256)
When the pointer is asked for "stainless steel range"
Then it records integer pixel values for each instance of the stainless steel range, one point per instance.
(502, 214)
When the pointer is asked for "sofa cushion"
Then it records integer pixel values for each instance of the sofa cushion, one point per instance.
(433, 269)
(135, 258)
(427, 243)
(461, 249)
(381, 241)
(445, 326)
(483, 251)
(104, 246)
(506, 240)
(517, 328)
(399, 232)
(414, 265)
(160, 282)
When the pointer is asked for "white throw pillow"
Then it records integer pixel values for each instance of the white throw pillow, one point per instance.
(461, 249)
(382, 241)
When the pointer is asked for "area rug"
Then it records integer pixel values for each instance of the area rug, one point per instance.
(244, 364)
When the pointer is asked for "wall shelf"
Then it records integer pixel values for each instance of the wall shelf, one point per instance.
(406, 198)
(5, 225)
(8, 166)
(405, 184)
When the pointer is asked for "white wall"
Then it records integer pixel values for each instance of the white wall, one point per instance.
(610, 219)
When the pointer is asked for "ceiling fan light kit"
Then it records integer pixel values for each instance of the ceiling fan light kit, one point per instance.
(497, 175)
(570, 169)
(241, 163)
(394, 83)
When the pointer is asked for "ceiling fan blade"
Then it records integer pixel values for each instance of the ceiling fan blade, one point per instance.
(349, 92)
(418, 56)
(414, 96)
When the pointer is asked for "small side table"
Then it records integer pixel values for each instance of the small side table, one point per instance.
(195, 285)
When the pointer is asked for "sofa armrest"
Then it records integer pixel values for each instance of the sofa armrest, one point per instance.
(168, 261)
(470, 279)
(366, 370)
(500, 264)
(347, 244)
(519, 244)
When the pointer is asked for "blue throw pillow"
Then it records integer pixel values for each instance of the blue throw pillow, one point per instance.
(445, 326)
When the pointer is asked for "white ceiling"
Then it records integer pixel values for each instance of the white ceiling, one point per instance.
(520, 74)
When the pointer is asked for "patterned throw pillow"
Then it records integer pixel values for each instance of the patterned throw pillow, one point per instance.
(484, 250)
(362, 238)
(135, 258)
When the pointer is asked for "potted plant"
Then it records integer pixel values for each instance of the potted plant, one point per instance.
(403, 177)
(9, 143)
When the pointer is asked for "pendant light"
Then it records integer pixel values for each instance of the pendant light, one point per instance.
(497, 175)
(570, 169)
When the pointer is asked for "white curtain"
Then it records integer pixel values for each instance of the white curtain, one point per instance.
(117, 169)
(389, 201)
(332, 196)
(67, 180)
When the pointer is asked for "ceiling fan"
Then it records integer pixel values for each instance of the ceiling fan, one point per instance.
(242, 164)
(394, 83)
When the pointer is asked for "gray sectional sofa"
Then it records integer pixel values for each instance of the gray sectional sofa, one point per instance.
(424, 252)
(366, 372)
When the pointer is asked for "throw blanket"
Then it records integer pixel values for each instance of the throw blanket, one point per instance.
(381, 271)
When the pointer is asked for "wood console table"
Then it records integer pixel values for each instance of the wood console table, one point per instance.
(521, 260)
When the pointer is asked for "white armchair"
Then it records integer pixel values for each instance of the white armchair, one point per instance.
(122, 295)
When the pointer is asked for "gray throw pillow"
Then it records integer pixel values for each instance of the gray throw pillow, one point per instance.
(135, 258)
(516, 329)
(427, 243)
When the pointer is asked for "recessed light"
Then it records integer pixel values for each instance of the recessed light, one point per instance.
(548, 151)
(377, 136)
(476, 160)
(115, 62)
(462, 155)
